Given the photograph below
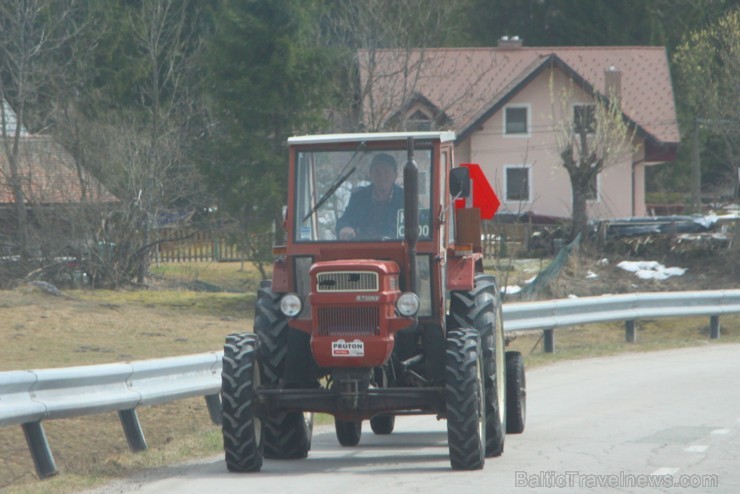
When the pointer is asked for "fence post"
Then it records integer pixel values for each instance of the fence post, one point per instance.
(549, 340)
(215, 249)
(714, 327)
(132, 430)
(40, 450)
(630, 335)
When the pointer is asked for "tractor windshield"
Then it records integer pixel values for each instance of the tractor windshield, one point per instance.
(357, 195)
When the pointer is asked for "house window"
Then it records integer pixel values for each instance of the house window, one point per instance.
(516, 120)
(584, 118)
(419, 121)
(517, 182)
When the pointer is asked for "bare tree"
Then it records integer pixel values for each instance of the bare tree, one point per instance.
(383, 53)
(30, 32)
(587, 143)
(709, 74)
(142, 149)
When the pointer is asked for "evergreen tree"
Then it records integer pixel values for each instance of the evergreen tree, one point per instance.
(590, 22)
(267, 83)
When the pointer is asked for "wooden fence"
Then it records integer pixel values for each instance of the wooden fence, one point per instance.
(191, 246)
(499, 240)
(516, 239)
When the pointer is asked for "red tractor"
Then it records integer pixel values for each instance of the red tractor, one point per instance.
(378, 307)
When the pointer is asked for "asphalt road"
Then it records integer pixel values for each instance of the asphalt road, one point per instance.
(633, 423)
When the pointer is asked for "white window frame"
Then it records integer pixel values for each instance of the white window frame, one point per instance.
(530, 185)
(527, 107)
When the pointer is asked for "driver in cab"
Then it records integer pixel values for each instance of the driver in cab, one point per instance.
(373, 209)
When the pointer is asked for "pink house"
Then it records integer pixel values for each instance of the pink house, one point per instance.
(506, 103)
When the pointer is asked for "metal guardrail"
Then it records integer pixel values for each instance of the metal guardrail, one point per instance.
(29, 397)
(548, 315)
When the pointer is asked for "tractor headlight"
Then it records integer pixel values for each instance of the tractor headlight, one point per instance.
(291, 305)
(408, 304)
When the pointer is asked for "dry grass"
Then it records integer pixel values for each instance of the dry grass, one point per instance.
(89, 327)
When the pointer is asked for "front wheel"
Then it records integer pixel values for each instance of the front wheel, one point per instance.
(241, 428)
(465, 399)
(348, 432)
(480, 309)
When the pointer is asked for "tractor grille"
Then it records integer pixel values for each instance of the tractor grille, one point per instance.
(349, 321)
(343, 281)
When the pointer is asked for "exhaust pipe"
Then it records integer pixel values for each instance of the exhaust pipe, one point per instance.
(411, 211)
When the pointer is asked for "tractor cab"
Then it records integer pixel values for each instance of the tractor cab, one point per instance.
(340, 222)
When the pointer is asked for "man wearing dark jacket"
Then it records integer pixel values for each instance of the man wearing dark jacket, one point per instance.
(372, 211)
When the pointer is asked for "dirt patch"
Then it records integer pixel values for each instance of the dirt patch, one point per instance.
(587, 275)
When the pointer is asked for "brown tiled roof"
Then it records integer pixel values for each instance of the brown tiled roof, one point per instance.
(49, 175)
(469, 83)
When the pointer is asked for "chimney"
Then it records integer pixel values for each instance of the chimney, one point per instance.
(512, 43)
(613, 83)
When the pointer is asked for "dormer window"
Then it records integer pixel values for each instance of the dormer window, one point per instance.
(419, 121)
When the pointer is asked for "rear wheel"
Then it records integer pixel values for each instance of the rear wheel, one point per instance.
(516, 393)
(480, 308)
(241, 428)
(348, 431)
(383, 424)
(271, 328)
(465, 400)
(286, 436)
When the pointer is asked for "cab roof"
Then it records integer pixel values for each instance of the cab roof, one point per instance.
(442, 136)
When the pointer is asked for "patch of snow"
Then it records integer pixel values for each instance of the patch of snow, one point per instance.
(603, 262)
(511, 290)
(674, 271)
(699, 236)
(706, 221)
(571, 296)
(530, 280)
(591, 275)
(650, 270)
(635, 266)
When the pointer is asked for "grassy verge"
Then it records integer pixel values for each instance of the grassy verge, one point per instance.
(90, 327)
(93, 327)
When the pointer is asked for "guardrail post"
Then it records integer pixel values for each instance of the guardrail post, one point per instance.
(132, 430)
(213, 402)
(630, 335)
(40, 450)
(549, 340)
(714, 327)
